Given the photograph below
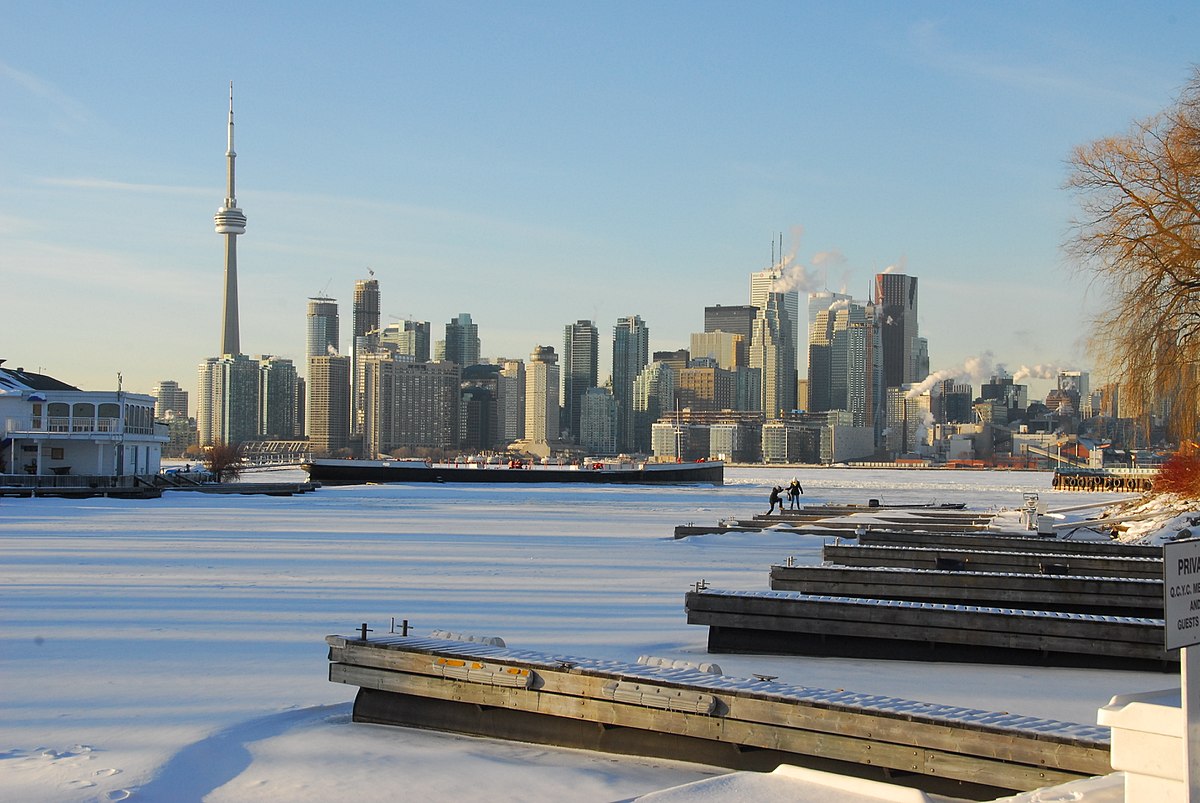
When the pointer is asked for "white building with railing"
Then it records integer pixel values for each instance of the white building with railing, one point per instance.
(48, 427)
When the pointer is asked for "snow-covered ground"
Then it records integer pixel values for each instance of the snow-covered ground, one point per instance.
(173, 649)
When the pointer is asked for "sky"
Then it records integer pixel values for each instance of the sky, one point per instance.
(538, 163)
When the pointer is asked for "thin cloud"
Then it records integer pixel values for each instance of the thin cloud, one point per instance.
(124, 186)
(934, 49)
(46, 91)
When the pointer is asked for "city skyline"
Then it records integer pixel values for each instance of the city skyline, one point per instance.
(583, 165)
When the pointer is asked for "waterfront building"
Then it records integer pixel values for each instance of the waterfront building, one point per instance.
(276, 398)
(50, 427)
(580, 372)
(410, 405)
(598, 422)
(631, 353)
(227, 409)
(510, 401)
(328, 404)
(541, 396)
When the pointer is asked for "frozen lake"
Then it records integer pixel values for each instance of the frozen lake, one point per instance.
(173, 648)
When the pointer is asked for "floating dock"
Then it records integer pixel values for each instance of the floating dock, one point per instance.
(684, 713)
(792, 623)
(1021, 562)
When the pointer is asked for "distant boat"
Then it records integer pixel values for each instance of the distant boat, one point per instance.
(356, 472)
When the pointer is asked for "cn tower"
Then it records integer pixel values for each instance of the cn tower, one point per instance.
(231, 222)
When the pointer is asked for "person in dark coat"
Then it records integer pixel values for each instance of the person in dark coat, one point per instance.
(776, 499)
(793, 491)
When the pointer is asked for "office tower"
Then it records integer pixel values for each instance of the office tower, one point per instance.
(322, 328)
(896, 300)
(736, 320)
(580, 368)
(541, 395)
(169, 396)
(844, 361)
(227, 410)
(230, 222)
(1074, 386)
(410, 338)
(328, 403)
(705, 388)
(480, 419)
(510, 401)
(726, 349)
(677, 359)
(775, 329)
(276, 397)
(653, 398)
(631, 353)
(908, 420)
(364, 340)
(300, 429)
(462, 341)
(953, 403)
(598, 422)
(773, 351)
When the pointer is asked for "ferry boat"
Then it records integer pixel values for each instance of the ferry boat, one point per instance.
(357, 472)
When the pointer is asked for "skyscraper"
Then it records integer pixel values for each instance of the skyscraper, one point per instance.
(580, 369)
(773, 341)
(365, 341)
(276, 397)
(328, 403)
(230, 222)
(322, 327)
(510, 401)
(844, 361)
(631, 353)
(737, 320)
(462, 341)
(169, 396)
(541, 396)
(896, 298)
(410, 338)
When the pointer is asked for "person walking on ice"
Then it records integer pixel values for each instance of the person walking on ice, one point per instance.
(793, 491)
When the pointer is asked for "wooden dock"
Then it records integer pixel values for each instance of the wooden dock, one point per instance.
(787, 622)
(1105, 596)
(693, 715)
(1020, 562)
(1007, 542)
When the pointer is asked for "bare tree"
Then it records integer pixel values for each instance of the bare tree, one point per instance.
(1139, 239)
(225, 461)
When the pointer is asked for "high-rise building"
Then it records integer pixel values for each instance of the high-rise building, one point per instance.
(598, 422)
(510, 401)
(773, 351)
(328, 403)
(322, 329)
(541, 396)
(227, 410)
(631, 353)
(410, 405)
(653, 397)
(410, 338)
(365, 341)
(580, 369)
(844, 370)
(169, 396)
(705, 388)
(896, 300)
(774, 338)
(230, 222)
(726, 349)
(461, 345)
(276, 397)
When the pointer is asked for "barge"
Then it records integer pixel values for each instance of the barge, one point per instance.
(357, 472)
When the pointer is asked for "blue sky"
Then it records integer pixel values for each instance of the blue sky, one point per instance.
(534, 164)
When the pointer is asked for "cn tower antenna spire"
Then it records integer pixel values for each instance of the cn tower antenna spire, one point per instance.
(230, 222)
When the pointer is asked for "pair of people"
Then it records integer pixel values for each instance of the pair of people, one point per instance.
(793, 492)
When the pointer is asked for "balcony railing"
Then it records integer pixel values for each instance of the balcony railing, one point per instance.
(107, 426)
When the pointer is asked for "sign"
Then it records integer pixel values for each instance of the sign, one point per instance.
(1181, 593)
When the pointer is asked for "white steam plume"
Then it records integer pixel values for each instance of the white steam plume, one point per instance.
(976, 369)
(1038, 371)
